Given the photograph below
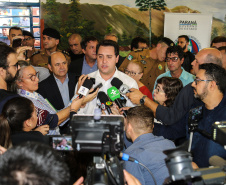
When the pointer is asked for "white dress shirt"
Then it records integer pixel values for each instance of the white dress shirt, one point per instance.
(130, 82)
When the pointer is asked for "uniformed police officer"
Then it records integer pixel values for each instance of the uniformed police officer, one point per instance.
(153, 61)
(51, 39)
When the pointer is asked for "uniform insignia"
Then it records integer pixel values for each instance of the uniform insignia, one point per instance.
(143, 57)
(160, 66)
(130, 57)
(138, 50)
(36, 52)
(65, 52)
(143, 62)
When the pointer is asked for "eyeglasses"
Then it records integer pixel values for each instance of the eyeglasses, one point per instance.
(131, 73)
(15, 65)
(33, 77)
(159, 90)
(29, 38)
(174, 59)
(196, 80)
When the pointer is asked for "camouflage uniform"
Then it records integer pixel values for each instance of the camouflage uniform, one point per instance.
(152, 68)
(40, 58)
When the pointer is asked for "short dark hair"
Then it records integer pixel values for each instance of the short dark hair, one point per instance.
(86, 40)
(166, 41)
(15, 28)
(5, 51)
(141, 118)
(216, 73)
(176, 50)
(171, 87)
(109, 43)
(16, 111)
(185, 37)
(218, 39)
(32, 163)
(136, 40)
(222, 48)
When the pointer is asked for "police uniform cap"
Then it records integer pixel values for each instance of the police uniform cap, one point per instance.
(27, 33)
(167, 41)
(51, 33)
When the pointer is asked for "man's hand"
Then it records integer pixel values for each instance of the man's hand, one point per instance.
(20, 52)
(76, 104)
(130, 179)
(81, 80)
(79, 181)
(44, 129)
(135, 95)
(2, 150)
(90, 97)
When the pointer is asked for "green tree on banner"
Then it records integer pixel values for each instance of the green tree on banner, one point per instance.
(146, 5)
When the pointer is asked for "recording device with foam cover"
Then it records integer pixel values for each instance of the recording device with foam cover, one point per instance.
(105, 102)
(114, 95)
(102, 136)
(123, 89)
(179, 164)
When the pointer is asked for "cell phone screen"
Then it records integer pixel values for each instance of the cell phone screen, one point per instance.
(62, 143)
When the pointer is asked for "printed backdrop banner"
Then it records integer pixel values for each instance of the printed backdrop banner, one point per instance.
(195, 25)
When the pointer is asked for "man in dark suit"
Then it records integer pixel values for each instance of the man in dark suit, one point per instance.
(59, 87)
(88, 63)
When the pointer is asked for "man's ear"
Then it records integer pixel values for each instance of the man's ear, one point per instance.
(27, 123)
(117, 58)
(84, 51)
(182, 61)
(2, 71)
(50, 67)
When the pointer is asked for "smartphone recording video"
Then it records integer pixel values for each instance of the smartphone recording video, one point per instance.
(17, 43)
(61, 143)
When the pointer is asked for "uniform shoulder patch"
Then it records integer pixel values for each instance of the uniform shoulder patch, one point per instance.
(130, 57)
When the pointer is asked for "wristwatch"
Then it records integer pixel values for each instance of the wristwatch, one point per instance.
(142, 100)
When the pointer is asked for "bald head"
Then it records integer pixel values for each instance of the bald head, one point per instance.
(207, 55)
(74, 42)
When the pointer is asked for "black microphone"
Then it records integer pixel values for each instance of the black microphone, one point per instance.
(123, 88)
(217, 161)
(104, 100)
(84, 89)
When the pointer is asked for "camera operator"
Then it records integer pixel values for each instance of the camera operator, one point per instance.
(146, 148)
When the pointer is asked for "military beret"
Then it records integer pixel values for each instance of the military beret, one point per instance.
(167, 41)
(51, 33)
(27, 33)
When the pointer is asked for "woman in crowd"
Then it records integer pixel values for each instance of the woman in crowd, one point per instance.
(165, 93)
(18, 121)
(27, 82)
(135, 69)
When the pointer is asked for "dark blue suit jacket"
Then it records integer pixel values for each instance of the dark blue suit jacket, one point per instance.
(48, 89)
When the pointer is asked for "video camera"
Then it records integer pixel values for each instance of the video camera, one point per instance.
(102, 136)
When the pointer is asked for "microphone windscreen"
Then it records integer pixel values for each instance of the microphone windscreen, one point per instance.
(124, 89)
(116, 82)
(102, 97)
(217, 161)
(88, 83)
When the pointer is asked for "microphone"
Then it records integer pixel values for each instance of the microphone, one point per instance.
(217, 161)
(84, 89)
(104, 100)
(123, 88)
(114, 95)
